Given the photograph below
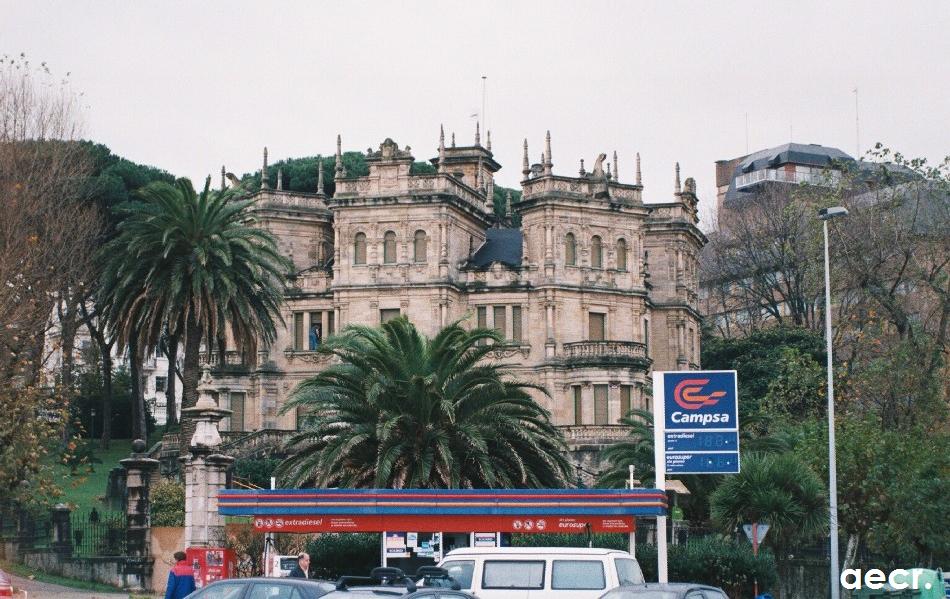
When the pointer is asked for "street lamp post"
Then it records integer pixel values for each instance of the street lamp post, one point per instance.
(826, 214)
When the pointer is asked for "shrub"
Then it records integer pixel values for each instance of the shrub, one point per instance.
(256, 472)
(350, 554)
(167, 504)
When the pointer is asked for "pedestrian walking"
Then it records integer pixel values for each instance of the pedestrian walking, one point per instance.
(181, 579)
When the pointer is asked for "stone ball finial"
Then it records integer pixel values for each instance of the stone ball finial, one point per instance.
(138, 446)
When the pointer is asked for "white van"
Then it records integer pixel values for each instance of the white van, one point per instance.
(540, 572)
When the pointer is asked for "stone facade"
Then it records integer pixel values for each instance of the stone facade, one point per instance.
(594, 290)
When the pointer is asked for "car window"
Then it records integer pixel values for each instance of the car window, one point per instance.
(510, 574)
(227, 590)
(577, 574)
(628, 571)
(461, 571)
(694, 595)
(711, 594)
(274, 590)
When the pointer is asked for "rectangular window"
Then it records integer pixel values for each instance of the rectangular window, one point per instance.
(298, 331)
(624, 400)
(692, 345)
(507, 574)
(577, 575)
(387, 314)
(600, 404)
(596, 325)
(482, 318)
(516, 323)
(498, 314)
(578, 406)
(315, 333)
(161, 383)
(330, 322)
(237, 411)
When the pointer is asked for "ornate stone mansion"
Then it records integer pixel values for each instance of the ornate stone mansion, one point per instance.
(593, 291)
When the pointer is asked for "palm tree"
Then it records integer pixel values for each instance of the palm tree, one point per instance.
(193, 265)
(636, 450)
(399, 410)
(778, 489)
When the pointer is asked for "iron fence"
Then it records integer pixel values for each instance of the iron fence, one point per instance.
(95, 534)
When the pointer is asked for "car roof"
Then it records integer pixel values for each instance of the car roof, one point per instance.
(664, 586)
(535, 551)
(272, 580)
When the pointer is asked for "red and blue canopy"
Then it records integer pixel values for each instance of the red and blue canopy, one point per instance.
(434, 510)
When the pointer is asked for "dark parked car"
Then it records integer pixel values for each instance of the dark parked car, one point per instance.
(264, 588)
(383, 582)
(671, 590)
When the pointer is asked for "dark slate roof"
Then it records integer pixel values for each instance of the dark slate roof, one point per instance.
(501, 245)
(810, 154)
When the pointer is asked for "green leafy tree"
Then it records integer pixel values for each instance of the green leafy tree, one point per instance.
(167, 504)
(194, 265)
(403, 411)
(780, 490)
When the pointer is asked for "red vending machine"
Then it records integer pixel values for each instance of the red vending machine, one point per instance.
(211, 564)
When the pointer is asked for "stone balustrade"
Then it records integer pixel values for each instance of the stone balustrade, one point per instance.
(606, 351)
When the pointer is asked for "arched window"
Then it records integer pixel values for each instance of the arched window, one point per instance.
(419, 249)
(389, 248)
(570, 250)
(621, 254)
(596, 252)
(359, 249)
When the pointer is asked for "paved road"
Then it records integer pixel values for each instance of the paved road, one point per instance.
(45, 590)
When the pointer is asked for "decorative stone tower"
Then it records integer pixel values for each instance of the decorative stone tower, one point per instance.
(205, 470)
(139, 468)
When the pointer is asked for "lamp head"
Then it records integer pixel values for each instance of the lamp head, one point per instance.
(833, 212)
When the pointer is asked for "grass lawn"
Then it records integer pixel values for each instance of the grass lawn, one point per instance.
(83, 489)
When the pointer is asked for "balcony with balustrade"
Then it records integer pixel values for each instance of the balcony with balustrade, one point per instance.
(600, 353)
(825, 178)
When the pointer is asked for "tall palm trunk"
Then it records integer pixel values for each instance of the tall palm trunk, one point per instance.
(189, 377)
(171, 381)
(138, 401)
(106, 398)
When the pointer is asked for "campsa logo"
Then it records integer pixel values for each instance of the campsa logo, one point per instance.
(688, 394)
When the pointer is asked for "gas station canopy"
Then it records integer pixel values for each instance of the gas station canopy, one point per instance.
(433, 510)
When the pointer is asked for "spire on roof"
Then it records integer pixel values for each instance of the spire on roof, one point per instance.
(280, 178)
(441, 149)
(479, 179)
(320, 174)
(639, 178)
(678, 187)
(478, 136)
(453, 139)
(488, 145)
(609, 177)
(508, 203)
(616, 171)
(264, 170)
(339, 157)
(548, 165)
(582, 172)
(525, 167)
(223, 178)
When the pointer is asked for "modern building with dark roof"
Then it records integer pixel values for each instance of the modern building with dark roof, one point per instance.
(787, 164)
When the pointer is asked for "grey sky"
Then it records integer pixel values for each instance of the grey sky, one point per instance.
(191, 86)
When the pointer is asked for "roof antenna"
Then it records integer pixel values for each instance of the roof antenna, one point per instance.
(483, 119)
(857, 127)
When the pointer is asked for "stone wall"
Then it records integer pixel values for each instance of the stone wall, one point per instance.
(105, 570)
(166, 540)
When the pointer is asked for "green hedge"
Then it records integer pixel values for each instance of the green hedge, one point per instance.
(167, 507)
(349, 554)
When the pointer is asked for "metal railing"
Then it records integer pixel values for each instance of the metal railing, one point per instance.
(782, 176)
(95, 534)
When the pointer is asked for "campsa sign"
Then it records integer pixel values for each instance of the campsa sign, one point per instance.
(697, 422)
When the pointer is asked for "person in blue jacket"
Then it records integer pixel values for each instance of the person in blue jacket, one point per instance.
(181, 578)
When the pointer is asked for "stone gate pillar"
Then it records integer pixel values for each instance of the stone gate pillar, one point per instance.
(62, 530)
(205, 470)
(138, 537)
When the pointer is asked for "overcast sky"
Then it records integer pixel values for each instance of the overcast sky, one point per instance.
(191, 86)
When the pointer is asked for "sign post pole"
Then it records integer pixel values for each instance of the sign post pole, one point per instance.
(659, 463)
(755, 554)
(632, 537)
